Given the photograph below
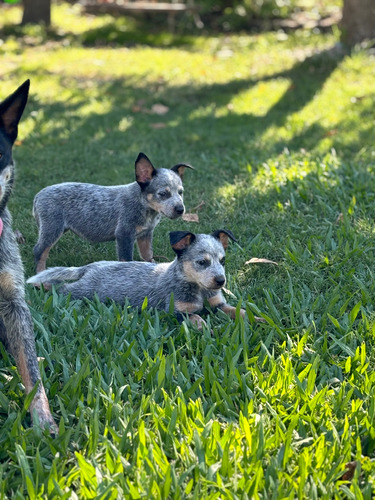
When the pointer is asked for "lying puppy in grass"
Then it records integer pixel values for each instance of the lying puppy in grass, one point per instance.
(195, 275)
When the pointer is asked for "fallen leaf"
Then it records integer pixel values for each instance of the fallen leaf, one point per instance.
(349, 471)
(136, 108)
(255, 260)
(190, 217)
(340, 218)
(159, 109)
(158, 125)
(331, 132)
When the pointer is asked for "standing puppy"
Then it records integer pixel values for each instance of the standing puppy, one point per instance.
(197, 274)
(16, 327)
(104, 213)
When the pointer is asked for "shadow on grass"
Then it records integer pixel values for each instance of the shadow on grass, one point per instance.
(120, 32)
(192, 124)
(94, 148)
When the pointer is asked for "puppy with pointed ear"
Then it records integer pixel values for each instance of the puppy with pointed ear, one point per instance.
(180, 169)
(223, 236)
(201, 259)
(145, 170)
(126, 213)
(16, 325)
(180, 240)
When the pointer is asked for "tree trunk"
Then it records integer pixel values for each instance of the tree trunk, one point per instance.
(358, 21)
(36, 12)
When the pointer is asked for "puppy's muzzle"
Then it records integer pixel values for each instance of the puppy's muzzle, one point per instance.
(179, 210)
(219, 281)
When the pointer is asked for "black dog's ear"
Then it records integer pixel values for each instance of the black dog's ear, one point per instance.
(222, 235)
(144, 170)
(180, 169)
(180, 240)
(11, 110)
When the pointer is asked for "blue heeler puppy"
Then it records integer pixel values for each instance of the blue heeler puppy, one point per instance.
(196, 274)
(16, 326)
(125, 213)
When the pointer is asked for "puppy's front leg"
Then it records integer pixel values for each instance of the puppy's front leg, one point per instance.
(125, 246)
(16, 330)
(218, 301)
(144, 244)
(189, 308)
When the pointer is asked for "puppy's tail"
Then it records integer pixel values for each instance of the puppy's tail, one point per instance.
(56, 275)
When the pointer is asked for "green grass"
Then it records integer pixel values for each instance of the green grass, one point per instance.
(280, 130)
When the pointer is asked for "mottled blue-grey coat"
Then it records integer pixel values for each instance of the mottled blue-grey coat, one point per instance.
(196, 274)
(16, 327)
(126, 213)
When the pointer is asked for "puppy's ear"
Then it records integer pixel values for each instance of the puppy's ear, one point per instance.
(222, 235)
(180, 240)
(144, 170)
(180, 169)
(11, 110)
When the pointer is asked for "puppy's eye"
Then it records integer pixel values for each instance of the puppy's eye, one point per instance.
(202, 262)
(180, 192)
(222, 261)
(164, 195)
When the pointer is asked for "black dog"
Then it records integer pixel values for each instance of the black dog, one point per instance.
(16, 327)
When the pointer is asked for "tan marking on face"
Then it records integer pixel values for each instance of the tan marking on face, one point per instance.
(203, 278)
(153, 203)
(187, 307)
(191, 273)
(42, 261)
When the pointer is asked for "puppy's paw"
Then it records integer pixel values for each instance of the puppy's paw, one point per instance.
(197, 321)
(41, 414)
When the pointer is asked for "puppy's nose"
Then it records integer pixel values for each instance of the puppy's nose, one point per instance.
(220, 280)
(179, 209)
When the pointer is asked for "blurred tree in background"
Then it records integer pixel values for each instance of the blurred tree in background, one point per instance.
(36, 12)
(357, 24)
(358, 21)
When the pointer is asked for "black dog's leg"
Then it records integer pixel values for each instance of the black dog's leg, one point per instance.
(16, 330)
